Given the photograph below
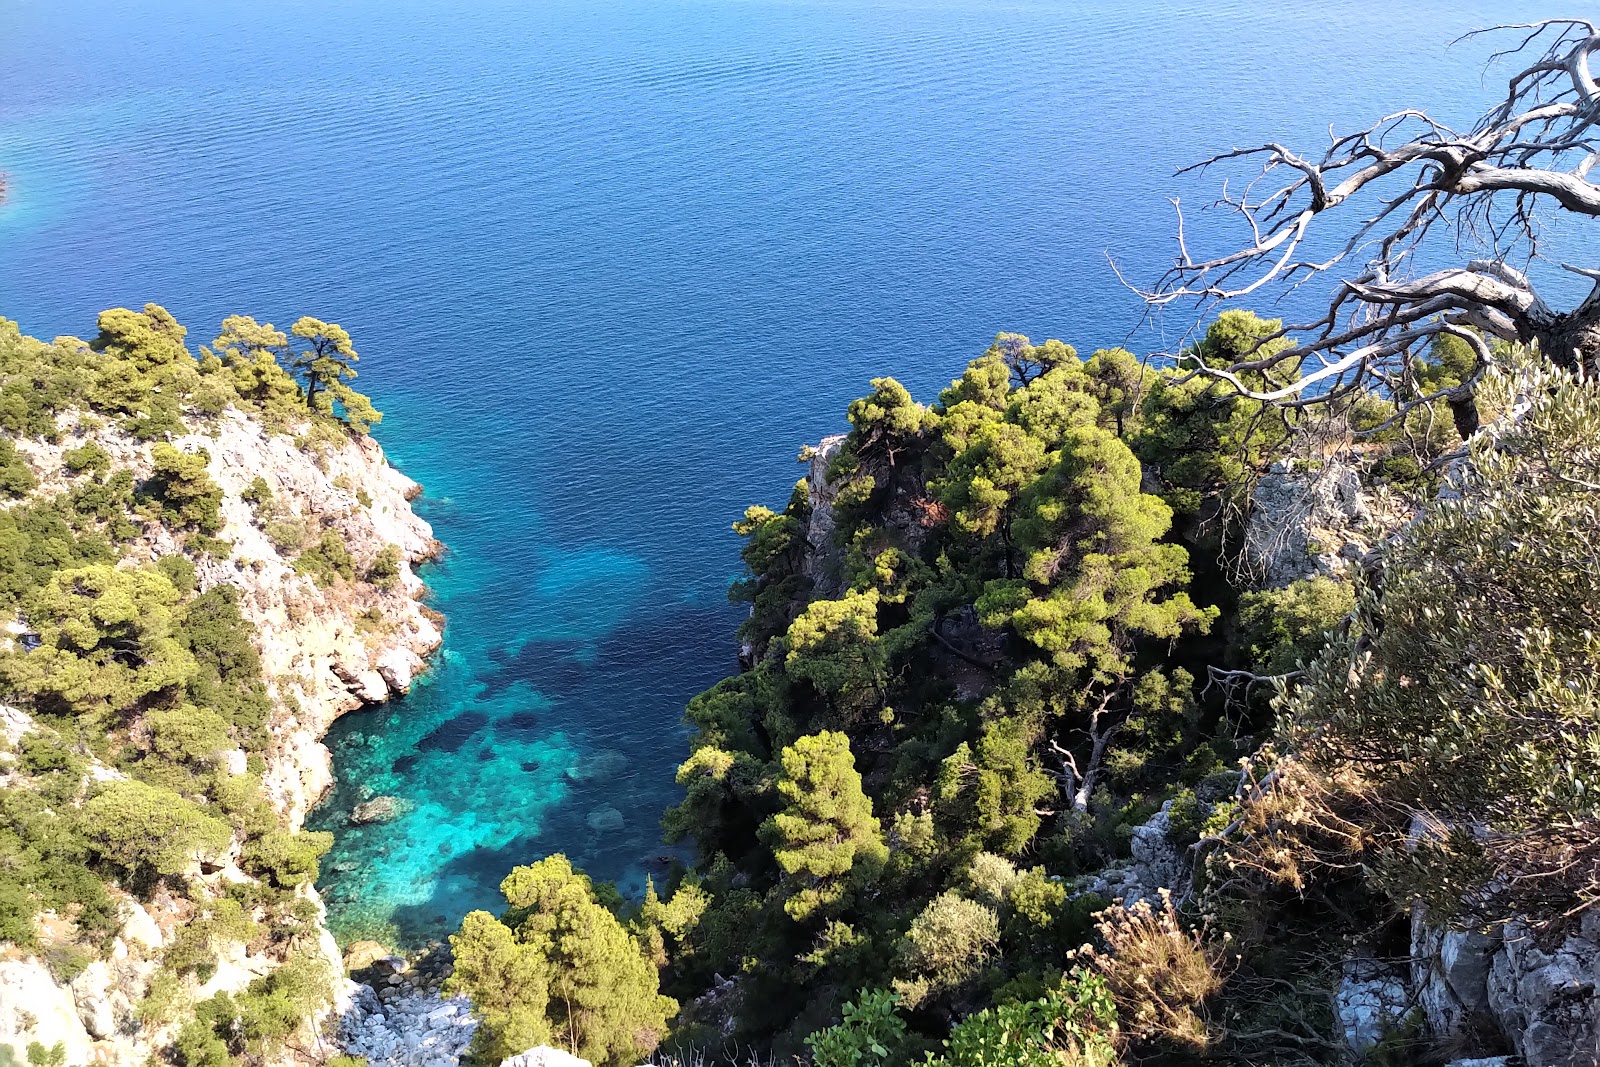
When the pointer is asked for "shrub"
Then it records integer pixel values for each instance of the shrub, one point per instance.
(385, 568)
(1073, 1025)
(143, 828)
(183, 489)
(327, 561)
(286, 535)
(948, 944)
(258, 492)
(86, 457)
(1158, 972)
(16, 477)
(1464, 693)
(869, 1034)
(286, 859)
(1282, 628)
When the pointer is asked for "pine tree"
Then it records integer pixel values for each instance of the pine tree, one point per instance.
(559, 968)
(327, 367)
(826, 839)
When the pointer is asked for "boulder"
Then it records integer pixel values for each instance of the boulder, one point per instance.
(363, 954)
(139, 928)
(91, 993)
(34, 1008)
(378, 809)
(396, 668)
(605, 820)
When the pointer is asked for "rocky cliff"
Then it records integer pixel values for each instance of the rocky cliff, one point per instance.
(325, 649)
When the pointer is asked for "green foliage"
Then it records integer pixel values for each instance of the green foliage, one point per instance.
(1201, 438)
(1282, 628)
(868, 1035)
(194, 947)
(385, 568)
(16, 477)
(948, 943)
(257, 1021)
(54, 1056)
(286, 859)
(44, 856)
(1095, 568)
(325, 363)
(1467, 688)
(39, 537)
(86, 457)
(826, 839)
(833, 645)
(183, 490)
(558, 968)
(145, 829)
(106, 641)
(328, 560)
(986, 792)
(1074, 1023)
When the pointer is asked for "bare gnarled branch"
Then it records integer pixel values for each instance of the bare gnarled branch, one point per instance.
(1531, 153)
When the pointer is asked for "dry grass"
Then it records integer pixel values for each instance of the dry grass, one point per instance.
(1159, 972)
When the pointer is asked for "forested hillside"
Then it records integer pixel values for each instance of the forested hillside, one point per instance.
(1230, 704)
(202, 561)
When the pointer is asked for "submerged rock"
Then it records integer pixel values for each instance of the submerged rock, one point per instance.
(378, 809)
(605, 820)
(363, 954)
(607, 763)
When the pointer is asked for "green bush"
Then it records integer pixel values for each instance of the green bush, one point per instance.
(327, 561)
(144, 829)
(182, 489)
(385, 569)
(286, 859)
(1282, 628)
(87, 457)
(16, 477)
(869, 1035)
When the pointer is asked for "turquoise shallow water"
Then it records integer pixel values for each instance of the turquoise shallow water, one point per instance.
(608, 265)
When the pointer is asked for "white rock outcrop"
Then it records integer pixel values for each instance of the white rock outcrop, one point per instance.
(823, 559)
(1307, 522)
(323, 652)
(1503, 988)
(544, 1056)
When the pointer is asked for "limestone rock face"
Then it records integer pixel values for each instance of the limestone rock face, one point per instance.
(1308, 522)
(1502, 992)
(34, 1008)
(823, 559)
(324, 651)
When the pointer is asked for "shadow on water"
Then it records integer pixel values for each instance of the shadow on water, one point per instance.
(541, 746)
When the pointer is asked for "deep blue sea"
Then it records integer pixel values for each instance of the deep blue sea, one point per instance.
(608, 266)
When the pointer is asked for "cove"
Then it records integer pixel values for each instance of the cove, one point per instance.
(608, 266)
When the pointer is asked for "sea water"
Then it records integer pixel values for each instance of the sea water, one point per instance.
(608, 266)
